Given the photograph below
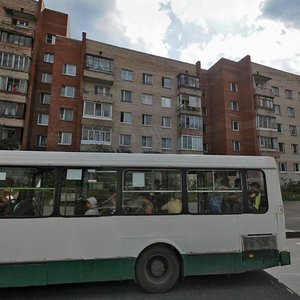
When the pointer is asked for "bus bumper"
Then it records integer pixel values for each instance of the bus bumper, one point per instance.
(285, 258)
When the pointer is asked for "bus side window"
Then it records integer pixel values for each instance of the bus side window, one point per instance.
(152, 191)
(26, 192)
(88, 192)
(257, 194)
(214, 191)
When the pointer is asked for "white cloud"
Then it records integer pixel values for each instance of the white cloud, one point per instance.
(275, 46)
(145, 25)
(219, 12)
(191, 30)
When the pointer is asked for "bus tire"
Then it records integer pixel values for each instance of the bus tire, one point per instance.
(157, 269)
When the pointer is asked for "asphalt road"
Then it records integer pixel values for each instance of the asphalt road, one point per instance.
(251, 285)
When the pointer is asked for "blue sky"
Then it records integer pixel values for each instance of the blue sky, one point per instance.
(192, 30)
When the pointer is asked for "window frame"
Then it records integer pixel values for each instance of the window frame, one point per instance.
(69, 70)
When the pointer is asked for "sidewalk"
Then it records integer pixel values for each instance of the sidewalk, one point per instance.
(292, 218)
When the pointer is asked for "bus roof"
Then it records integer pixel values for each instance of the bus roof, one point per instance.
(96, 159)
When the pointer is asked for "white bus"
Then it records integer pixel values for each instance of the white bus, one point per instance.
(155, 217)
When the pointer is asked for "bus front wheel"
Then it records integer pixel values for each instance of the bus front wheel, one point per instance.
(157, 269)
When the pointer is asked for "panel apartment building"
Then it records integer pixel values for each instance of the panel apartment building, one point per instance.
(62, 94)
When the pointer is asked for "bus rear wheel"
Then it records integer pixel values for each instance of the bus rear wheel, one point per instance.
(157, 269)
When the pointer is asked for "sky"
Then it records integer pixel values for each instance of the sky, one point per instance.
(192, 30)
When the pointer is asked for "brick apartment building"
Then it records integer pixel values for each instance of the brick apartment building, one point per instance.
(62, 94)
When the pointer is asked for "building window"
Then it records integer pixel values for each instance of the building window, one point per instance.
(147, 99)
(13, 85)
(45, 98)
(166, 102)
(20, 23)
(147, 141)
(266, 122)
(281, 147)
(11, 109)
(47, 78)
(126, 117)
(266, 103)
(293, 130)
(147, 78)
(166, 82)
(188, 81)
(126, 96)
(291, 112)
(275, 91)
(166, 122)
(69, 70)
(205, 148)
(204, 111)
(13, 38)
(147, 120)
(125, 140)
(282, 167)
(41, 141)
(43, 119)
(279, 127)
(294, 149)
(66, 114)
(299, 96)
(96, 135)
(234, 105)
(49, 58)
(289, 94)
(50, 39)
(99, 64)
(68, 91)
(233, 87)
(268, 143)
(236, 145)
(277, 109)
(126, 75)
(191, 122)
(14, 61)
(235, 126)
(189, 102)
(296, 167)
(189, 142)
(95, 110)
(65, 138)
(166, 143)
(101, 90)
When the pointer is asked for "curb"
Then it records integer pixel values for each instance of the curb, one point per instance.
(292, 234)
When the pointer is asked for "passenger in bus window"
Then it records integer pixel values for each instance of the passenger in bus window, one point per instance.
(233, 201)
(148, 206)
(216, 199)
(255, 196)
(92, 207)
(174, 206)
(215, 203)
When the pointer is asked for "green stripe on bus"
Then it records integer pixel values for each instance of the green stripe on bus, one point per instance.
(74, 271)
(230, 262)
(54, 272)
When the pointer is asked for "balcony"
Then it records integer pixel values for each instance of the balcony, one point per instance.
(9, 26)
(189, 103)
(262, 91)
(89, 95)
(188, 81)
(20, 14)
(91, 75)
